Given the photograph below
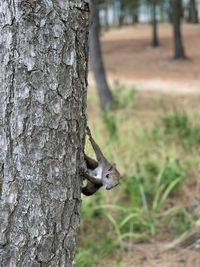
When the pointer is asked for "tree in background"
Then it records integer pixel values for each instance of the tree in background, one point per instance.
(163, 10)
(122, 12)
(106, 4)
(176, 9)
(155, 42)
(128, 8)
(42, 120)
(105, 95)
(132, 7)
(192, 12)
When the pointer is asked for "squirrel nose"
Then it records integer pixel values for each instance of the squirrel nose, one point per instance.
(108, 186)
(111, 186)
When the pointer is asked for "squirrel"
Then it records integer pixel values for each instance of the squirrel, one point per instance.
(99, 173)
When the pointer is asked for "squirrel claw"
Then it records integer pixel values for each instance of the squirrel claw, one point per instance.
(82, 172)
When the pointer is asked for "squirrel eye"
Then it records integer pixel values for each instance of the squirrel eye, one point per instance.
(107, 175)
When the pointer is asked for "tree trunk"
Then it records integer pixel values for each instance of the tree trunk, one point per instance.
(121, 13)
(121, 19)
(42, 121)
(162, 12)
(135, 16)
(154, 42)
(170, 12)
(106, 15)
(104, 92)
(192, 12)
(176, 19)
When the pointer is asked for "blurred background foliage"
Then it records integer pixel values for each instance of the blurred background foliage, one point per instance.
(152, 137)
(159, 162)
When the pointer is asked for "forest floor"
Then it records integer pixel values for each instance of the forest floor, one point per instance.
(131, 60)
(147, 255)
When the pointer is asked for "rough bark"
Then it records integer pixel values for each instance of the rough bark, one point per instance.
(176, 8)
(42, 120)
(192, 12)
(154, 42)
(96, 59)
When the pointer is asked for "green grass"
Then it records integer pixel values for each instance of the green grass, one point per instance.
(178, 126)
(157, 153)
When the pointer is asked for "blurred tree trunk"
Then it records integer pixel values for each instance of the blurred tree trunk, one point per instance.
(104, 92)
(135, 16)
(170, 11)
(176, 20)
(155, 42)
(162, 12)
(121, 13)
(192, 12)
(42, 121)
(106, 15)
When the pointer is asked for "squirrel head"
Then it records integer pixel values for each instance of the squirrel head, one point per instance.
(110, 178)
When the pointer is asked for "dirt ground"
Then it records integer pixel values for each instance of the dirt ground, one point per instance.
(149, 256)
(130, 59)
